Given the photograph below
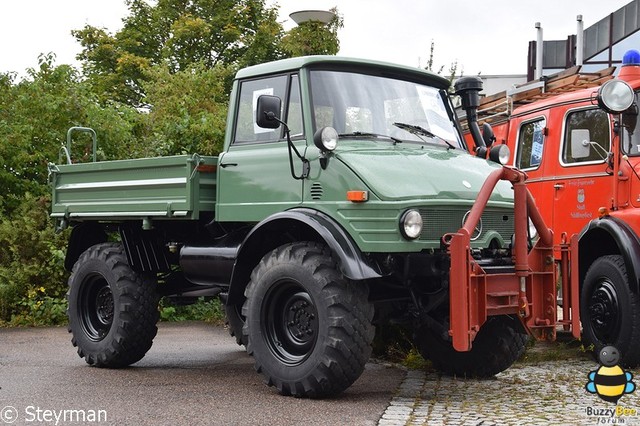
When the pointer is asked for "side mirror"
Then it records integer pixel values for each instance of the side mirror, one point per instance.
(580, 146)
(488, 135)
(268, 112)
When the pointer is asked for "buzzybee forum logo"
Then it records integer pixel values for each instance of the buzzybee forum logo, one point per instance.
(610, 381)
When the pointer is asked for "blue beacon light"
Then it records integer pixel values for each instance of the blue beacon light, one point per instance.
(631, 57)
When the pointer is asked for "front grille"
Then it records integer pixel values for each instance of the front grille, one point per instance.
(438, 222)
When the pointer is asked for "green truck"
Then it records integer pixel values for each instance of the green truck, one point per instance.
(337, 203)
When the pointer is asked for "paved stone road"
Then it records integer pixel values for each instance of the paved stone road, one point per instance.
(526, 394)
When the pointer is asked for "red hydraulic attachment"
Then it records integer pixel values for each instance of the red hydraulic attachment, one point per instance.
(528, 291)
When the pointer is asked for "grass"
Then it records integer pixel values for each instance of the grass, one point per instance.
(562, 349)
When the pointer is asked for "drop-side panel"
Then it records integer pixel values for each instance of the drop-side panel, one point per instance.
(163, 187)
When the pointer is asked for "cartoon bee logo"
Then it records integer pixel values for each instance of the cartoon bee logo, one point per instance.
(610, 381)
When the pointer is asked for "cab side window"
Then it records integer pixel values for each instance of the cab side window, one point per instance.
(586, 136)
(530, 144)
(246, 129)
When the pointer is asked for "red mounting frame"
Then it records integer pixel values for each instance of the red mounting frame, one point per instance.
(528, 292)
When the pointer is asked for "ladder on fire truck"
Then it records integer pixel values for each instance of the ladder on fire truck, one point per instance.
(498, 107)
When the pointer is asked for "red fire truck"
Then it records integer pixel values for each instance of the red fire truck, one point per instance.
(582, 159)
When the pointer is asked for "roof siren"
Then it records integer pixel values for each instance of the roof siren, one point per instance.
(630, 69)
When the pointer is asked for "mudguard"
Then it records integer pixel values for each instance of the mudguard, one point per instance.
(610, 235)
(83, 236)
(308, 224)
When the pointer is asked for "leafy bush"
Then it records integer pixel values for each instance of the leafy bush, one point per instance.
(208, 310)
(32, 276)
(39, 309)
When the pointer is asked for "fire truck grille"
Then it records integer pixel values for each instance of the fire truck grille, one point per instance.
(438, 222)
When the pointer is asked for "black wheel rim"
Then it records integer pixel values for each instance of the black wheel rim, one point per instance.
(96, 307)
(604, 312)
(290, 322)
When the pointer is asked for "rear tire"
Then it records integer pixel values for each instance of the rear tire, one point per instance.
(308, 328)
(610, 311)
(498, 344)
(112, 310)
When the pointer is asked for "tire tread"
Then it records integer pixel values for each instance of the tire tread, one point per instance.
(349, 315)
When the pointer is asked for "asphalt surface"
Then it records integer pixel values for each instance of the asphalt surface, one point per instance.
(195, 374)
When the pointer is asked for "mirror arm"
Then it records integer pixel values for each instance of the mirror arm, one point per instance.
(306, 167)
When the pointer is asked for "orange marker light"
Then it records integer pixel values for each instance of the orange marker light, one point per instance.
(357, 196)
(602, 212)
(207, 168)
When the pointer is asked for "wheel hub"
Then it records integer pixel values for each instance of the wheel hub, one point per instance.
(603, 310)
(300, 318)
(104, 306)
(96, 308)
(290, 322)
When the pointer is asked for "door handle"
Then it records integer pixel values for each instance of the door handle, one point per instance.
(558, 185)
(224, 165)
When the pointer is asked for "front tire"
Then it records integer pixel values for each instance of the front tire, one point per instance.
(307, 327)
(112, 310)
(609, 310)
(498, 344)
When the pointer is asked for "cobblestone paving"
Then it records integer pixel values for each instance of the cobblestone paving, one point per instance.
(526, 394)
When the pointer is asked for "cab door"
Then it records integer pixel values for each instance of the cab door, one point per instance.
(582, 176)
(254, 174)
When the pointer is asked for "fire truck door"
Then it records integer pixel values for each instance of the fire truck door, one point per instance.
(581, 179)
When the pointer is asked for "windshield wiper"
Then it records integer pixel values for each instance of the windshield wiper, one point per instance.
(369, 135)
(421, 131)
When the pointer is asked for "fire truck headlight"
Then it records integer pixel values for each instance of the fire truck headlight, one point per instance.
(615, 96)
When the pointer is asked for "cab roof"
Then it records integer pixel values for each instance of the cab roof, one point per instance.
(343, 63)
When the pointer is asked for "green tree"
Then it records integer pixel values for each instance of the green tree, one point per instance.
(314, 37)
(177, 34)
(189, 109)
(35, 114)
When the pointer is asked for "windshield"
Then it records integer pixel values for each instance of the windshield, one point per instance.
(358, 103)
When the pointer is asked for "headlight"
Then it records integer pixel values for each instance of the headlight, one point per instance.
(615, 96)
(411, 224)
(500, 154)
(326, 139)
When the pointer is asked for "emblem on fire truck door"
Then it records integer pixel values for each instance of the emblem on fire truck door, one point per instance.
(581, 195)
